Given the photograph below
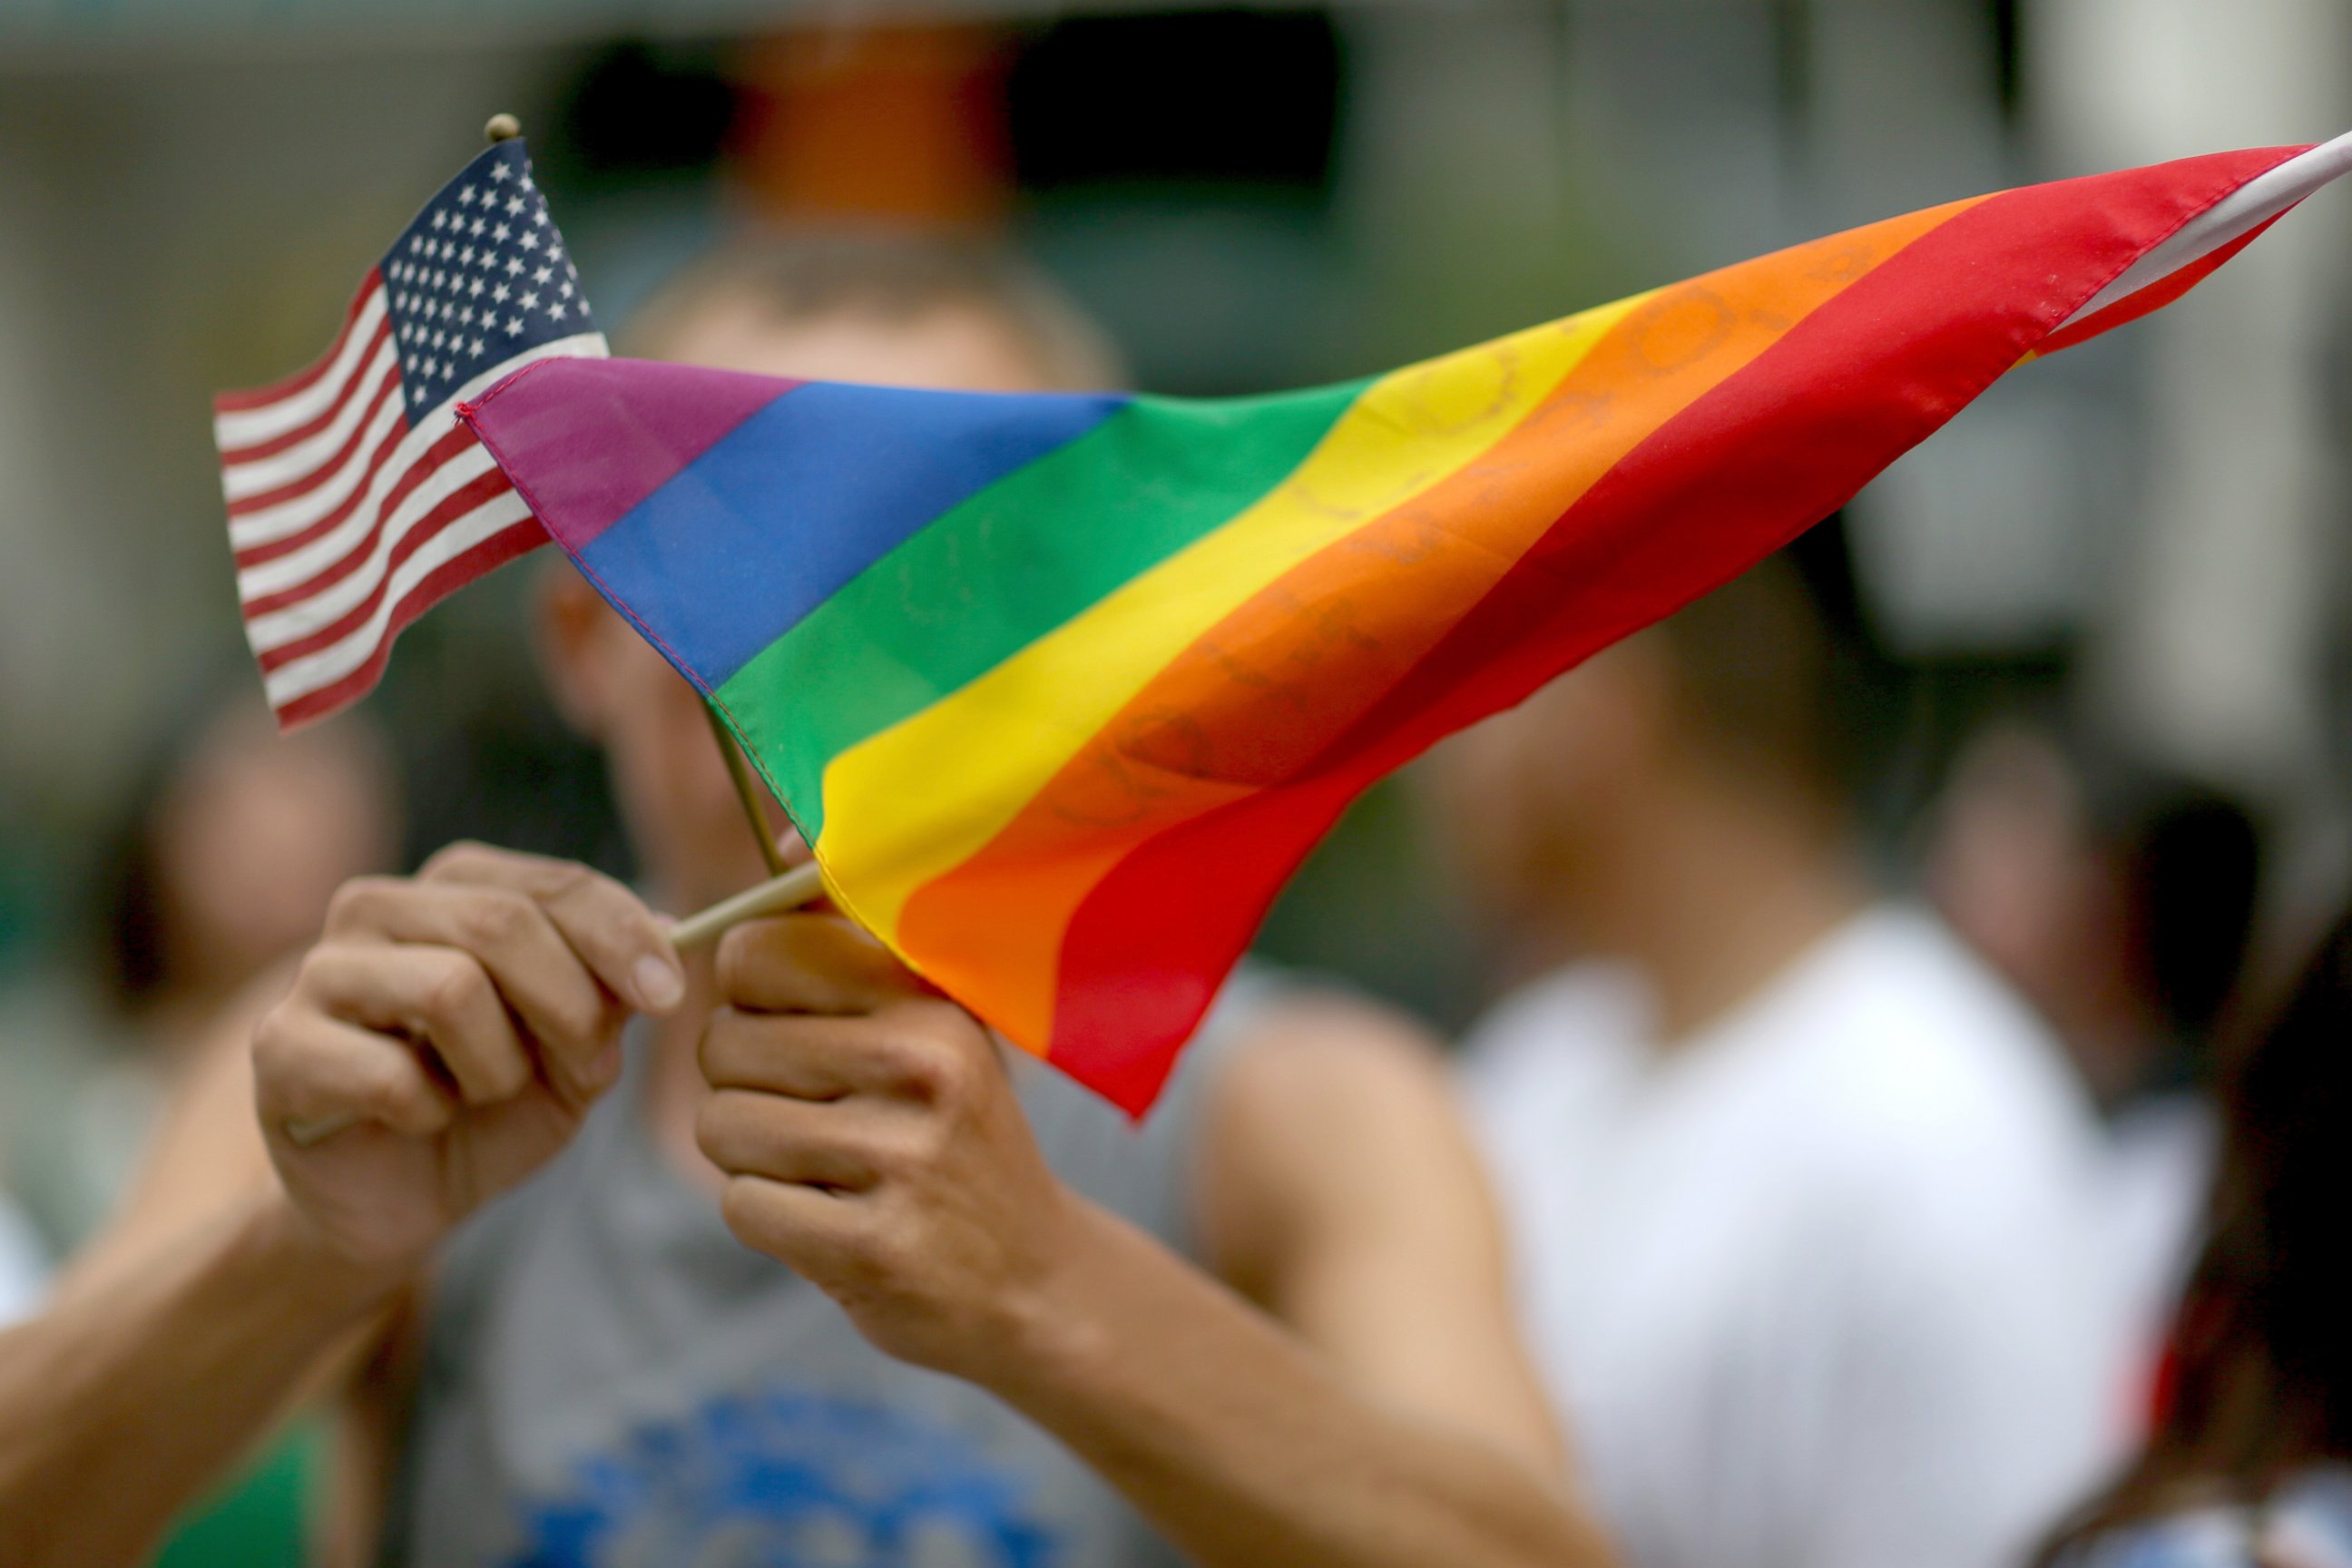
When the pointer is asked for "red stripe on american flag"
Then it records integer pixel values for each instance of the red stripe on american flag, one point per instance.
(461, 503)
(278, 391)
(506, 544)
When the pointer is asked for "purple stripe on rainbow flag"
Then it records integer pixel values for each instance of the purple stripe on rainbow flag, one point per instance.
(603, 442)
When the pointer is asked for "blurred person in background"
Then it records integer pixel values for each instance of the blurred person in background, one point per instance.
(227, 850)
(1273, 1320)
(2120, 905)
(2251, 1462)
(1800, 1192)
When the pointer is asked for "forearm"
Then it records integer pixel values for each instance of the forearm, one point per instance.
(120, 1402)
(1245, 1450)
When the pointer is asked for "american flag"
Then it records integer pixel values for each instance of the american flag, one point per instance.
(356, 501)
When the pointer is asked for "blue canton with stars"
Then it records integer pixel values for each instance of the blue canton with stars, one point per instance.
(480, 277)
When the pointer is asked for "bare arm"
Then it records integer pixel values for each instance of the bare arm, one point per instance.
(874, 1143)
(465, 1019)
(126, 1397)
(1340, 1191)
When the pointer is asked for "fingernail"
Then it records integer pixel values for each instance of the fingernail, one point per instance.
(659, 985)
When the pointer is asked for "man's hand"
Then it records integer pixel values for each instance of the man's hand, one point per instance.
(464, 1020)
(872, 1140)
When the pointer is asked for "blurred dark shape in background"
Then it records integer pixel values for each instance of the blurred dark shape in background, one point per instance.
(2122, 904)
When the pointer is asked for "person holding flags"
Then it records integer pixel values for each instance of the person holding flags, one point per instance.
(1269, 1325)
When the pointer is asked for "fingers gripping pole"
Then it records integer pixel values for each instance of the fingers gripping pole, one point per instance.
(799, 885)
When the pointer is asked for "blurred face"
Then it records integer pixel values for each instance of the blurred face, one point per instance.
(2014, 867)
(667, 772)
(1529, 801)
(256, 833)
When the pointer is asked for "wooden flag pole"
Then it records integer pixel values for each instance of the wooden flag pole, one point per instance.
(747, 791)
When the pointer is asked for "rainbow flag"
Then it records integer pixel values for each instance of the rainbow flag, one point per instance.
(1061, 687)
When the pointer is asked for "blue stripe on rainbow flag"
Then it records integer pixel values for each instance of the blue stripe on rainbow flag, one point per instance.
(864, 468)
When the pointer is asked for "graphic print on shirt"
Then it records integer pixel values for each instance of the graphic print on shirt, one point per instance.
(782, 1478)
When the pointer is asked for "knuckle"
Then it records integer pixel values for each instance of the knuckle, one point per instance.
(737, 960)
(458, 862)
(273, 1046)
(718, 1130)
(493, 918)
(577, 1018)
(880, 1254)
(356, 902)
(454, 988)
(744, 1206)
(389, 1092)
(562, 880)
(926, 1060)
(505, 1074)
(727, 1051)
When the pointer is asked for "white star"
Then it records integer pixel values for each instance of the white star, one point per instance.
(473, 288)
(531, 299)
(499, 171)
(555, 311)
(529, 241)
(500, 293)
(527, 183)
(540, 217)
(466, 256)
(514, 205)
(467, 315)
(466, 196)
(514, 264)
(416, 242)
(440, 217)
(514, 325)
(500, 233)
(439, 338)
(475, 227)
(554, 248)
(567, 290)
(543, 274)
(480, 347)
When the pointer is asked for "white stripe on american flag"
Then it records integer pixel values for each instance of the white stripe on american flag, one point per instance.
(251, 426)
(331, 663)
